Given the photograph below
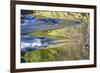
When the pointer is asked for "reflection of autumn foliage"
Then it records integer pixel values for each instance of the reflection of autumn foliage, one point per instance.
(63, 15)
(73, 44)
(72, 41)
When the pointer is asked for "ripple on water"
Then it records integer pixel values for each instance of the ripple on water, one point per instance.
(33, 43)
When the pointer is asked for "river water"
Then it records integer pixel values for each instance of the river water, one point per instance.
(30, 24)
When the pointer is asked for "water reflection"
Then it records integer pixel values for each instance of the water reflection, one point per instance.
(31, 24)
